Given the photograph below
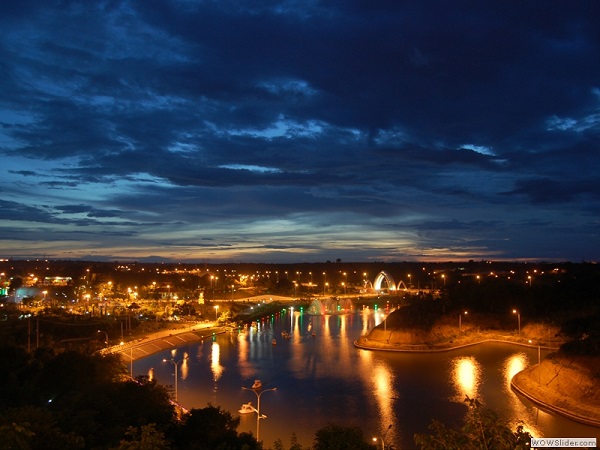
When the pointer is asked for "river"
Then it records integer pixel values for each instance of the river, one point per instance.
(324, 379)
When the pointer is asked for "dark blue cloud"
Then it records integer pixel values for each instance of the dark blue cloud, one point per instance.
(300, 131)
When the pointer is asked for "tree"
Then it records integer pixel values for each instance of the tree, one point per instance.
(482, 430)
(294, 444)
(211, 428)
(146, 437)
(335, 437)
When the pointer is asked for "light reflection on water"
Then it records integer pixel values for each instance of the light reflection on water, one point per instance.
(466, 374)
(185, 368)
(325, 379)
(215, 364)
(513, 365)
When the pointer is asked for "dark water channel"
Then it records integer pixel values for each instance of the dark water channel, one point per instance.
(324, 379)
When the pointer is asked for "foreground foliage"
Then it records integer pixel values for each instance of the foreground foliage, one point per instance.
(482, 430)
(74, 400)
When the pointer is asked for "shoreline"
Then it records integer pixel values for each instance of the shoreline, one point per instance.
(520, 383)
(466, 340)
(523, 384)
(163, 340)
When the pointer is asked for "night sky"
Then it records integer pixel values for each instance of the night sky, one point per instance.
(300, 131)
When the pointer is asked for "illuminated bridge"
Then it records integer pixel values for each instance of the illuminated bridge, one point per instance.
(384, 281)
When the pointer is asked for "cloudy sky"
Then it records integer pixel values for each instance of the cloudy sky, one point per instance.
(300, 131)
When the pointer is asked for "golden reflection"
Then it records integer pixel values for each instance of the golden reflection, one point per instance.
(342, 326)
(326, 328)
(185, 368)
(151, 374)
(383, 381)
(215, 364)
(513, 365)
(244, 363)
(296, 325)
(365, 320)
(466, 375)
(379, 377)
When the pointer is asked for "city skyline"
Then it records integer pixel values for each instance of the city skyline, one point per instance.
(297, 131)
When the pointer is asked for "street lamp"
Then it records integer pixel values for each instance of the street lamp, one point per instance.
(444, 279)
(383, 438)
(518, 319)
(130, 358)
(460, 320)
(105, 337)
(257, 389)
(175, 364)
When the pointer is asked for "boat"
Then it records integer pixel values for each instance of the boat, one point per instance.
(247, 408)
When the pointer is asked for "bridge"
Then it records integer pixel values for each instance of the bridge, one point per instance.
(384, 281)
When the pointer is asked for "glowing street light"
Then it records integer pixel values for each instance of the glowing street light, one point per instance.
(105, 337)
(460, 320)
(216, 313)
(518, 319)
(382, 438)
(257, 389)
(175, 364)
(130, 357)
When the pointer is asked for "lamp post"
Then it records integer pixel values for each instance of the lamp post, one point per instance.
(460, 320)
(175, 364)
(130, 358)
(258, 391)
(383, 438)
(539, 362)
(105, 337)
(518, 319)
(216, 313)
